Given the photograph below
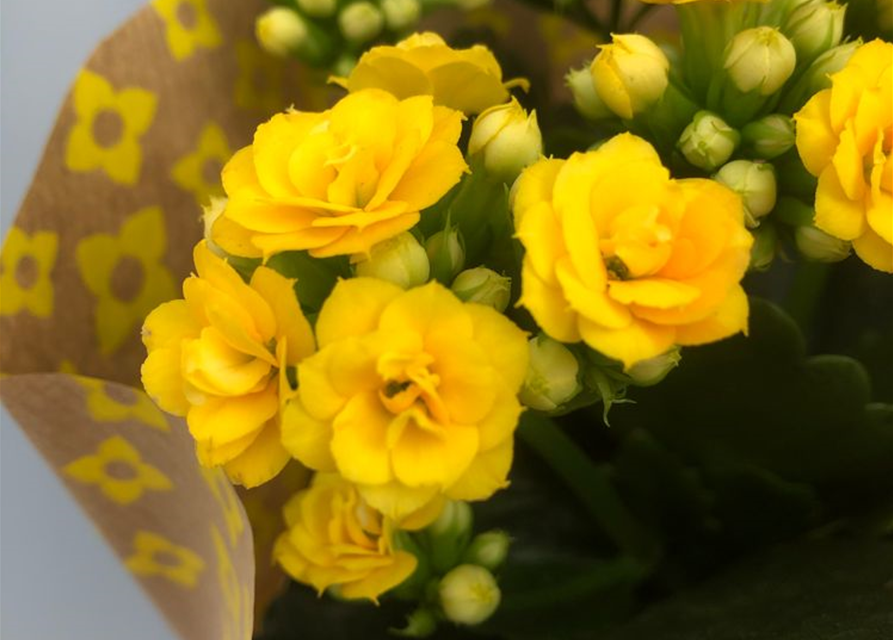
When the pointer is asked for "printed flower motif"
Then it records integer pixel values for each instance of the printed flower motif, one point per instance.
(119, 472)
(259, 83)
(468, 80)
(229, 503)
(199, 171)
(109, 402)
(109, 125)
(25, 268)
(411, 395)
(339, 181)
(220, 358)
(126, 275)
(334, 538)
(845, 137)
(155, 555)
(189, 25)
(624, 258)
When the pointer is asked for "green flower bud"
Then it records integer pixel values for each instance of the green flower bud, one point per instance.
(818, 75)
(630, 74)
(755, 183)
(586, 99)
(708, 142)
(360, 22)
(769, 137)
(764, 247)
(318, 8)
(421, 623)
(449, 534)
(508, 139)
(401, 260)
(446, 254)
(281, 31)
(488, 550)
(815, 27)
(759, 59)
(469, 595)
(647, 373)
(815, 244)
(483, 286)
(400, 15)
(210, 213)
(552, 375)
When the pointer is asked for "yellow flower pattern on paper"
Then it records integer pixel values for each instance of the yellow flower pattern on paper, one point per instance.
(25, 267)
(126, 275)
(119, 472)
(236, 596)
(189, 26)
(199, 171)
(106, 134)
(223, 493)
(155, 555)
(108, 402)
(259, 83)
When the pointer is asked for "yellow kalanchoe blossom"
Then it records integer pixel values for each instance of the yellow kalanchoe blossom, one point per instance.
(411, 395)
(627, 260)
(845, 137)
(219, 357)
(469, 80)
(339, 181)
(334, 538)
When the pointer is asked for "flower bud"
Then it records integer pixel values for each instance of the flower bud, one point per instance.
(401, 260)
(815, 27)
(769, 137)
(210, 215)
(281, 31)
(360, 22)
(815, 244)
(400, 15)
(421, 623)
(488, 549)
(586, 99)
(760, 59)
(708, 142)
(818, 75)
(483, 286)
(508, 139)
(469, 594)
(446, 254)
(647, 373)
(630, 74)
(552, 375)
(449, 534)
(755, 183)
(318, 8)
(764, 247)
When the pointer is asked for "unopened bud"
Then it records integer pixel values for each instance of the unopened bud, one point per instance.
(401, 260)
(815, 27)
(318, 8)
(508, 138)
(446, 254)
(708, 142)
(764, 247)
(760, 59)
(483, 286)
(281, 31)
(211, 213)
(769, 137)
(755, 183)
(421, 623)
(360, 22)
(815, 244)
(818, 75)
(488, 550)
(552, 375)
(647, 373)
(469, 595)
(400, 15)
(630, 74)
(449, 534)
(586, 99)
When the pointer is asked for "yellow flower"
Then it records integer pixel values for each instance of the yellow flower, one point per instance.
(624, 258)
(189, 26)
(411, 395)
(126, 275)
(630, 74)
(106, 134)
(155, 555)
(25, 268)
(845, 137)
(219, 357)
(199, 171)
(336, 539)
(339, 181)
(469, 80)
(119, 471)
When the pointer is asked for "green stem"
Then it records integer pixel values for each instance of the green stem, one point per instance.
(806, 293)
(591, 484)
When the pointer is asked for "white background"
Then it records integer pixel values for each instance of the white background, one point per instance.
(58, 580)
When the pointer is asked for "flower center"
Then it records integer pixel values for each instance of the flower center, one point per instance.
(639, 244)
(409, 384)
